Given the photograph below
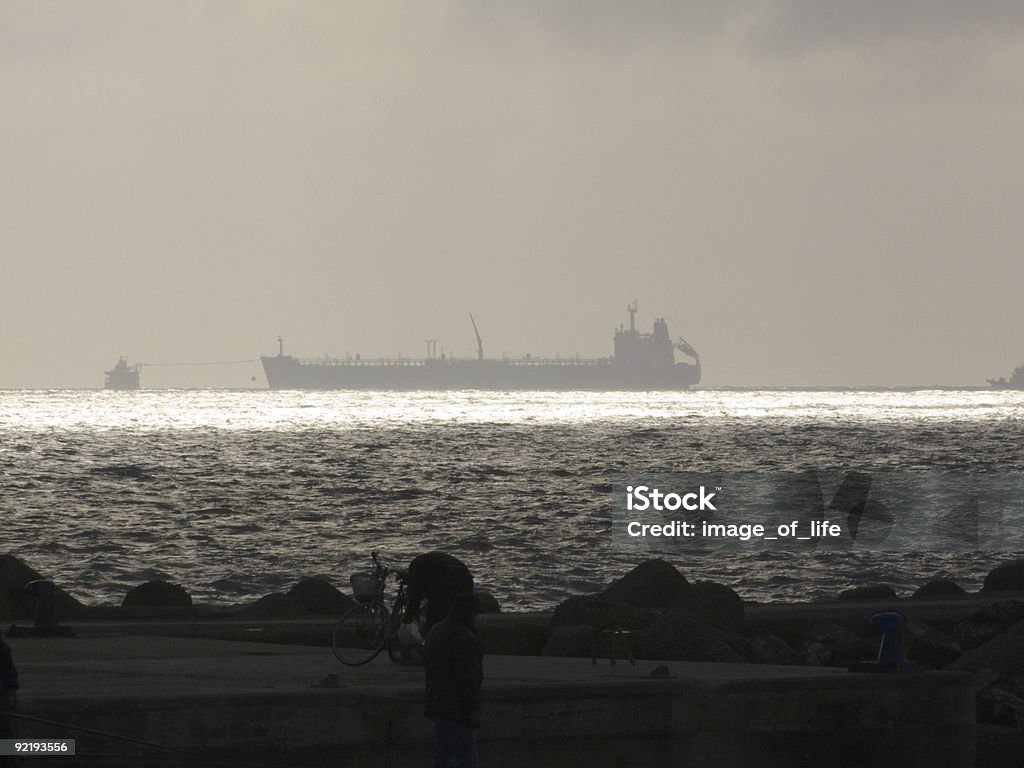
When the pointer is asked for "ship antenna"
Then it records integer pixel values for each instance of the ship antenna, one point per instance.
(479, 341)
(632, 316)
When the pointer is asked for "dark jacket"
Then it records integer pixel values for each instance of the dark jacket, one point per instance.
(440, 578)
(8, 684)
(8, 672)
(455, 671)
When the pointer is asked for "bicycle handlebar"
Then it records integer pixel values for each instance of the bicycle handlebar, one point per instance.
(384, 571)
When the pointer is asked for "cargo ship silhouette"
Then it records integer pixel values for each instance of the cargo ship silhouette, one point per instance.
(122, 376)
(641, 361)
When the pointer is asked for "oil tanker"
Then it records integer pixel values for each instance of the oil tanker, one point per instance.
(641, 361)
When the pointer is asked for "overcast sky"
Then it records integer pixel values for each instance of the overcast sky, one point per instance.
(809, 191)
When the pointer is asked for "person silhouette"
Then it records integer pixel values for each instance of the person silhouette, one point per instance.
(454, 677)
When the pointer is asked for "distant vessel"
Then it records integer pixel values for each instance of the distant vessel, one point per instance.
(642, 361)
(122, 376)
(1016, 380)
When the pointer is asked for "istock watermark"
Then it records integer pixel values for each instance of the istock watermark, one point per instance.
(935, 511)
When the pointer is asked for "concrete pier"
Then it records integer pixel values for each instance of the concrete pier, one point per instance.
(274, 705)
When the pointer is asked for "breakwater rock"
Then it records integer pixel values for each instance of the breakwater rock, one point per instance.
(17, 603)
(157, 594)
(1005, 577)
(310, 597)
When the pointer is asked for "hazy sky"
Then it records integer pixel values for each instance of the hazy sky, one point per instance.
(810, 191)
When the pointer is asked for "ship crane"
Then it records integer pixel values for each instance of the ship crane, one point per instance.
(686, 349)
(479, 341)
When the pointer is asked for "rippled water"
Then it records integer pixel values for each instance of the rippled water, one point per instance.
(238, 493)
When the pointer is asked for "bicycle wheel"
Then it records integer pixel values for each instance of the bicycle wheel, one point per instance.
(361, 633)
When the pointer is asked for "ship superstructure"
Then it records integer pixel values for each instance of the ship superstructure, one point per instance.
(122, 376)
(641, 361)
(1016, 380)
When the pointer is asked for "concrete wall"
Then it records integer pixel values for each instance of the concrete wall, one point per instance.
(840, 720)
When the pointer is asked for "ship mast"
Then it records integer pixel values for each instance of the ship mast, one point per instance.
(632, 317)
(479, 341)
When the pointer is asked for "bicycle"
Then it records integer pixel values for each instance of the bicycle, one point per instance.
(370, 626)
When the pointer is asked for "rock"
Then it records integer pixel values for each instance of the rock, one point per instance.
(310, 597)
(940, 588)
(488, 602)
(679, 636)
(594, 611)
(717, 605)
(1003, 654)
(573, 610)
(157, 593)
(652, 584)
(1000, 707)
(319, 598)
(1006, 577)
(832, 645)
(15, 603)
(769, 649)
(869, 592)
(929, 647)
(988, 622)
(276, 605)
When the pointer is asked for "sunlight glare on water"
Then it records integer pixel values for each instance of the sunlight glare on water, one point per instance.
(258, 410)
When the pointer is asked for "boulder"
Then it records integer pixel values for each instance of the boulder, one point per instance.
(928, 647)
(488, 602)
(988, 622)
(1003, 654)
(651, 585)
(1006, 577)
(1000, 707)
(157, 594)
(869, 592)
(310, 597)
(940, 588)
(717, 605)
(16, 603)
(595, 611)
(678, 635)
(276, 605)
(316, 597)
(769, 649)
(832, 645)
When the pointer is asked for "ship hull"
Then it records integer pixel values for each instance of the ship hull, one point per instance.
(286, 372)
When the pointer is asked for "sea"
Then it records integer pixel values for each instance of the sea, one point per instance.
(235, 494)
